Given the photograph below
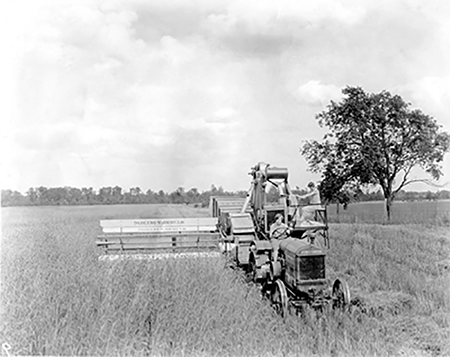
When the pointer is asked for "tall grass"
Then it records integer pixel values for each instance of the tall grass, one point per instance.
(59, 299)
(399, 274)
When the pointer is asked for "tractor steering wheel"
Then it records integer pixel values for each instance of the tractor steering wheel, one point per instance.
(279, 232)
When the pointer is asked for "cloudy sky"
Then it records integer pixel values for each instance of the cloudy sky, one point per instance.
(162, 94)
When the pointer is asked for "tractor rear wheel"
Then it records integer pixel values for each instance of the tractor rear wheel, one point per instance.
(279, 298)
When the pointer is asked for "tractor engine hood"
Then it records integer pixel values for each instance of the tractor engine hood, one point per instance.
(304, 263)
(299, 247)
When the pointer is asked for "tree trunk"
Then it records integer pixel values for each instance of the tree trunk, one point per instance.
(388, 207)
(389, 197)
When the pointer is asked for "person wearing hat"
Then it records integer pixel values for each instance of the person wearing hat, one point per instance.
(278, 231)
(308, 211)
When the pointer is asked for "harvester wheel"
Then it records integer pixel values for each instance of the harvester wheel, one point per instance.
(279, 298)
(340, 294)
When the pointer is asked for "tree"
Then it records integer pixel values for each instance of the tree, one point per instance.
(150, 196)
(377, 139)
(74, 195)
(193, 195)
(273, 195)
(161, 198)
(41, 193)
(57, 196)
(332, 189)
(13, 198)
(178, 196)
(136, 194)
(117, 194)
(105, 195)
(32, 195)
(88, 195)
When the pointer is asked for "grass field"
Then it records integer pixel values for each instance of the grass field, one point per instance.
(421, 212)
(59, 299)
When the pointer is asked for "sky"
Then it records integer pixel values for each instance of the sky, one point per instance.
(165, 94)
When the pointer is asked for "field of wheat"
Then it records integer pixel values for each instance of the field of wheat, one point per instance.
(58, 298)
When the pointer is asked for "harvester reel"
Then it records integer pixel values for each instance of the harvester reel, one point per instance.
(340, 294)
(279, 298)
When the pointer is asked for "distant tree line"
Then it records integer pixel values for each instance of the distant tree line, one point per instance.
(70, 196)
(350, 196)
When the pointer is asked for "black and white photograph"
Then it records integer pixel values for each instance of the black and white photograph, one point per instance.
(225, 178)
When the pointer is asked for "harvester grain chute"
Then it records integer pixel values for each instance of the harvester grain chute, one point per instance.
(240, 229)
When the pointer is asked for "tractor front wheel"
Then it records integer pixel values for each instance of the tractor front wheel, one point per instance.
(340, 294)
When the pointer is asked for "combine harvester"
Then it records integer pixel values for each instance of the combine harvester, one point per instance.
(239, 228)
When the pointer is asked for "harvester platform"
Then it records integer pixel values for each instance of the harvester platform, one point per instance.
(177, 235)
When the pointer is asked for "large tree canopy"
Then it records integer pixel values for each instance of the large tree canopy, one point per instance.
(375, 139)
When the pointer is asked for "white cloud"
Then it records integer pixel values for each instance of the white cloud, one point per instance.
(317, 94)
(225, 113)
(177, 53)
(191, 89)
(268, 28)
(436, 90)
(257, 14)
(322, 10)
(430, 94)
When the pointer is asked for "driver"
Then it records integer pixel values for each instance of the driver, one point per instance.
(278, 232)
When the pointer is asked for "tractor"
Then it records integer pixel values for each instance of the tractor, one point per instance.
(297, 278)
